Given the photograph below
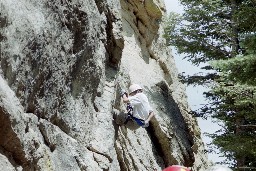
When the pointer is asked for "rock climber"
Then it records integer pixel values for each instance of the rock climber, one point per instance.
(138, 106)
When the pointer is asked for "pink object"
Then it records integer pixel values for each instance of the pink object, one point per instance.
(176, 168)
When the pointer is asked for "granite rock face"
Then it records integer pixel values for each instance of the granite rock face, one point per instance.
(62, 65)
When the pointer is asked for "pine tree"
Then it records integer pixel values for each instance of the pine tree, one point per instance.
(223, 30)
(236, 106)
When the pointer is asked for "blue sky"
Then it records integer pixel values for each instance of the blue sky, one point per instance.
(173, 5)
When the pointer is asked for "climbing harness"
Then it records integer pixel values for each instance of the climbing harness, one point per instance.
(130, 116)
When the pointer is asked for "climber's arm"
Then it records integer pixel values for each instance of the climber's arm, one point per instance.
(124, 95)
(151, 114)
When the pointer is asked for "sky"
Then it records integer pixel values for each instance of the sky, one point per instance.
(195, 94)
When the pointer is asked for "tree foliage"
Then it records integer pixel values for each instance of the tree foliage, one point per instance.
(236, 105)
(240, 69)
(222, 33)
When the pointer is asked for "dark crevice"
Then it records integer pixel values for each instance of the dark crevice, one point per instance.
(95, 108)
(159, 151)
(134, 166)
(90, 148)
(3, 21)
(9, 156)
(166, 71)
(80, 164)
(60, 123)
(120, 159)
(9, 141)
(113, 46)
(51, 146)
(162, 94)
(188, 156)
(100, 5)
(27, 128)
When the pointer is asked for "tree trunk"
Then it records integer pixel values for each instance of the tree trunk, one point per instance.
(239, 159)
(234, 39)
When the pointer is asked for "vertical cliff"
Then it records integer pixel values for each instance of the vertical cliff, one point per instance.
(62, 65)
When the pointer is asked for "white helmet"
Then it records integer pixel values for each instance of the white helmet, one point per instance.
(134, 87)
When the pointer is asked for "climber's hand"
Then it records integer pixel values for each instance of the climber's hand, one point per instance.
(146, 123)
(122, 92)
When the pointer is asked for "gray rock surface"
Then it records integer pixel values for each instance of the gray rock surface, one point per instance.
(62, 65)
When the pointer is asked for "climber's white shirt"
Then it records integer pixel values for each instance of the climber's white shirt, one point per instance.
(140, 104)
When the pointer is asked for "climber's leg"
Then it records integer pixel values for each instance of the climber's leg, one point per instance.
(119, 117)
